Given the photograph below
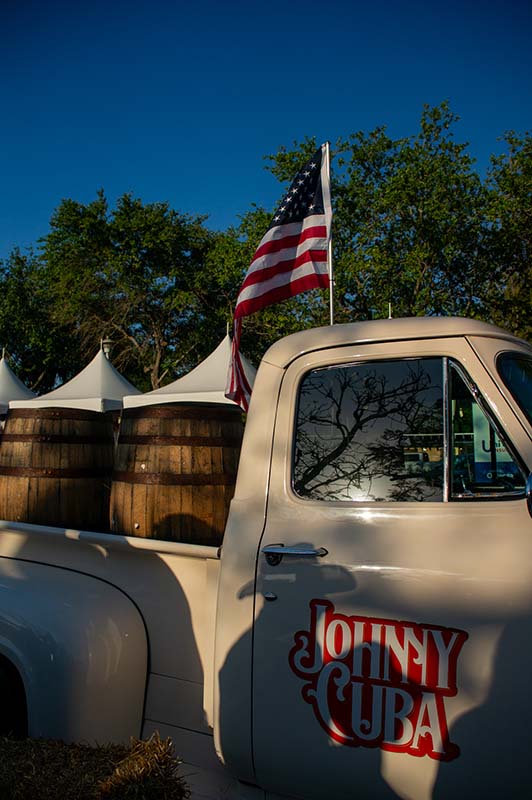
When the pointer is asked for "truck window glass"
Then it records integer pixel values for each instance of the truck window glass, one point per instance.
(516, 371)
(371, 432)
(481, 465)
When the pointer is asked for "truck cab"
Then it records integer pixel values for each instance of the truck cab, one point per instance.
(388, 601)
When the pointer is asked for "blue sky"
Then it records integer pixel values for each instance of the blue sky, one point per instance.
(180, 102)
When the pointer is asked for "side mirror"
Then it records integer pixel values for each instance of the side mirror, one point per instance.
(529, 494)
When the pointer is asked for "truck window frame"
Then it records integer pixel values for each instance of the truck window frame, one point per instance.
(517, 494)
(500, 363)
(447, 364)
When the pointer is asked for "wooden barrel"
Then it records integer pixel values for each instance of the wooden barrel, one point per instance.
(56, 466)
(175, 471)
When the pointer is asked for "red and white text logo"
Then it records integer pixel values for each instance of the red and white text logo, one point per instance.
(379, 682)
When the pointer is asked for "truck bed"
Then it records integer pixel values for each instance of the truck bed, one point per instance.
(174, 588)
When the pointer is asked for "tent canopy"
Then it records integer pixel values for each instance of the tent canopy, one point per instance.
(204, 384)
(11, 388)
(98, 387)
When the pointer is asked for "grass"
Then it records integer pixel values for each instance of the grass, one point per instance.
(44, 769)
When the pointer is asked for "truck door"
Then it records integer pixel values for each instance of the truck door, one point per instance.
(392, 637)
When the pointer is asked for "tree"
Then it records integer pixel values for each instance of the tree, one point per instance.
(42, 352)
(130, 274)
(510, 214)
(408, 223)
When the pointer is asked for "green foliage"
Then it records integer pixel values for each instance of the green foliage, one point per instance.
(41, 350)
(409, 221)
(510, 214)
(130, 274)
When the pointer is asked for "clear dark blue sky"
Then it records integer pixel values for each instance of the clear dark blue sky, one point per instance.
(180, 101)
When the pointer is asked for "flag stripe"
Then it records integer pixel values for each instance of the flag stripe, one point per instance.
(276, 294)
(290, 240)
(281, 258)
(278, 288)
(277, 279)
(291, 228)
(294, 260)
(238, 388)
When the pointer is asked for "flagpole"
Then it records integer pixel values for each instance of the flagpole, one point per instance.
(329, 247)
(331, 285)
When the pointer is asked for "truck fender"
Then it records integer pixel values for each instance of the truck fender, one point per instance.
(80, 647)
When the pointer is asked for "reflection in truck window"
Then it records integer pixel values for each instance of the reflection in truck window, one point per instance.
(371, 431)
(481, 465)
(375, 432)
(516, 371)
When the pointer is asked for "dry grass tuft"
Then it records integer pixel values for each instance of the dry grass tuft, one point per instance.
(43, 769)
(148, 771)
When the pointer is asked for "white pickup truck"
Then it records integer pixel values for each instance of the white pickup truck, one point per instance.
(365, 630)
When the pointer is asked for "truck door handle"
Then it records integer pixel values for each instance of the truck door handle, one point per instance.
(275, 552)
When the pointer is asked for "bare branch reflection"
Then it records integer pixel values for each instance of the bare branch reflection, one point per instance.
(371, 432)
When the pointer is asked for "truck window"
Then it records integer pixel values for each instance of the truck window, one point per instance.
(516, 371)
(370, 432)
(481, 464)
(401, 430)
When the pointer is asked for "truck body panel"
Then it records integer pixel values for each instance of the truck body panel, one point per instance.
(236, 595)
(80, 648)
(330, 664)
(172, 588)
(408, 329)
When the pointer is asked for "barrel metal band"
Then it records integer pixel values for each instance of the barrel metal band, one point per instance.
(171, 479)
(52, 472)
(54, 412)
(52, 438)
(201, 411)
(181, 441)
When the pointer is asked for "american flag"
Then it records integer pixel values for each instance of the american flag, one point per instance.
(292, 257)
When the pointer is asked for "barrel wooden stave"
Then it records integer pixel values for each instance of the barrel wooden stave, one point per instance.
(175, 471)
(55, 468)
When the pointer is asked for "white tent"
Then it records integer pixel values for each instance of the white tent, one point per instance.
(204, 384)
(11, 388)
(98, 387)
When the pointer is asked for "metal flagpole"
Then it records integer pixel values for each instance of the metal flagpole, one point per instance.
(329, 248)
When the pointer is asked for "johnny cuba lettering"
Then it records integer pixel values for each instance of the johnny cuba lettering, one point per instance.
(379, 682)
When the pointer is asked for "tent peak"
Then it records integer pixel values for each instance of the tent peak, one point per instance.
(106, 346)
(98, 387)
(11, 387)
(203, 384)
